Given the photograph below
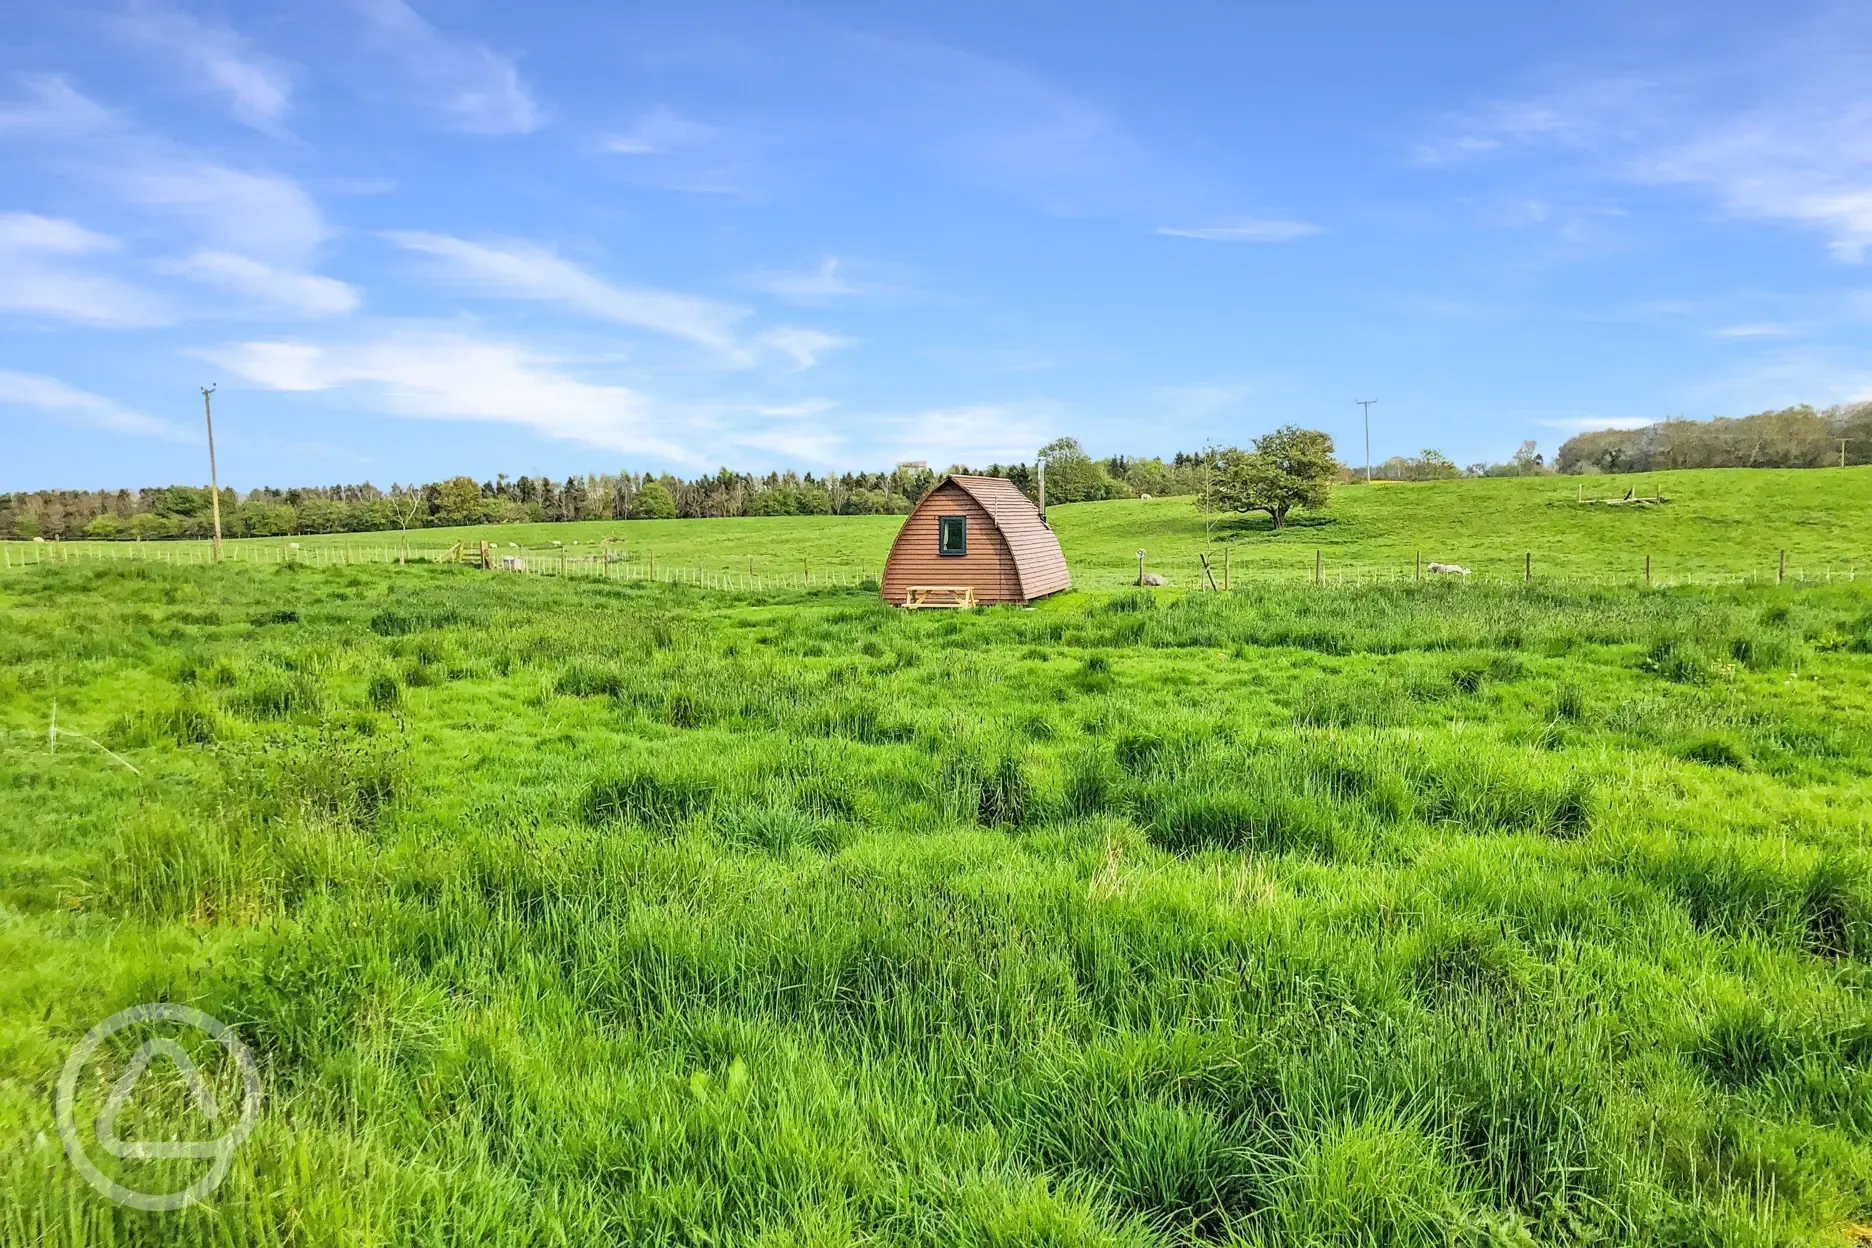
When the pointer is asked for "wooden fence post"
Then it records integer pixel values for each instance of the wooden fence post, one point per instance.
(1527, 568)
(1647, 569)
(1225, 567)
(1781, 570)
(1420, 565)
(1316, 565)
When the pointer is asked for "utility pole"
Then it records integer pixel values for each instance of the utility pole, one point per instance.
(1366, 404)
(214, 478)
(1040, 460)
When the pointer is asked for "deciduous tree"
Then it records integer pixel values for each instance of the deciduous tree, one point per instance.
(1287, 469)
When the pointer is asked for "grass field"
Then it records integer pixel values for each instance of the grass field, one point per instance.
(576, 911)
(1716, 524)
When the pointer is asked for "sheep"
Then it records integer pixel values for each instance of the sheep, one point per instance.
(1446, 569)
(1152, 578)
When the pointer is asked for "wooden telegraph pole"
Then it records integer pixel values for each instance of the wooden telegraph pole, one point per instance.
(214, 479)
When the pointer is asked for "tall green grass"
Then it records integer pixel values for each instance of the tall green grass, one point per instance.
(578, 912)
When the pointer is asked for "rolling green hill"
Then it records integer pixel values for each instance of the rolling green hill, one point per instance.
(1713, 524)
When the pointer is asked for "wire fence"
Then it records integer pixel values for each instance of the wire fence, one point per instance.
(16, 555)
(1181, 571)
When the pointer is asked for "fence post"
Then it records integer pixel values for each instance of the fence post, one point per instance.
(1419, 575)
(1781, 569)
(1316, 565)
(1527, 568)
(1647, 569)
(1225, 568)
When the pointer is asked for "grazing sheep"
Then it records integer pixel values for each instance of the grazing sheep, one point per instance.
(1153, 578)
(1446, 569)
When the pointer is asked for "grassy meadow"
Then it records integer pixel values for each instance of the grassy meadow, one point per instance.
(579, 911)
(1714, 524)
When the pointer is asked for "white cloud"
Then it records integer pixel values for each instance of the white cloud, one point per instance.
(1782, 135)
(1592, 424)
(1753, 331)
(477, 89)
(429, 375)
(251, 212)
(25, 231)
(976, 434)
(32, 283)
(660, 131)
(257, 88)
(53, 110)
(81, 407)
(302, 294)
(803, 345)
(1245, 230)
(523, 271)
(86, 298)
(257, 213)
(817, 286)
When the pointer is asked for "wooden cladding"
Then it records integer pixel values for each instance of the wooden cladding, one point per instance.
(1006, 554)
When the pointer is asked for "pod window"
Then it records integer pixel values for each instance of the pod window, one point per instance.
(952, 535)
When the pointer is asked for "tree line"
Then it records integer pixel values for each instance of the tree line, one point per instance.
(1794, 437)
(186, 511)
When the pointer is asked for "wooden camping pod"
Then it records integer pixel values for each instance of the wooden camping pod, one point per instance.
(979, 534)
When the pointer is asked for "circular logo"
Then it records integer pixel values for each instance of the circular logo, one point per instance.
(220, 1152)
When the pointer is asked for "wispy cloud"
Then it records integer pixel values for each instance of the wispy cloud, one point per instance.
(803, 346)
(813, 287)
(1592, 424)
(428, 375)
(1753, 331)
(473, 87)
(1244, 230)
(519, 270)
(26, 231)
(977, 434)
(1784, 135)
(71, 405)
(37, 278)
(299, 294)
(658, 133)
(52, 110)
(257, 88)
(261, 213)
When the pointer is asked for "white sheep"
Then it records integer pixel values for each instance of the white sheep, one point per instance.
(1446, 569)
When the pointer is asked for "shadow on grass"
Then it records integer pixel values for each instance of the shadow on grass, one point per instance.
(1263, 526)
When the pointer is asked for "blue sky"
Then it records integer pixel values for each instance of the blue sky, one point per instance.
(413, 239)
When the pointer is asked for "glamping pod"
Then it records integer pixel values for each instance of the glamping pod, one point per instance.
(973, 540)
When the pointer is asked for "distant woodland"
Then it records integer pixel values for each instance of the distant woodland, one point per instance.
(1795, 437)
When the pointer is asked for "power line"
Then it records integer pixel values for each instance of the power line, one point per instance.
(1366, 404)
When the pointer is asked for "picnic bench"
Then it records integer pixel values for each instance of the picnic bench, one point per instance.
(917, 597)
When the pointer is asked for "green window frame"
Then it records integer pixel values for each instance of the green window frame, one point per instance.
(952, 536)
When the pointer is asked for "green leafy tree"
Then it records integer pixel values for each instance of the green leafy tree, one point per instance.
(105, 526)
(1287, 469)
(148, 526)
(322, 515)
(459, 501)
(815, 500)
(653, 501)
(1072, 476)
(779, 501)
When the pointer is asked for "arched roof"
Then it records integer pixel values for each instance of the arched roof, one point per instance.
(1038, 559)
